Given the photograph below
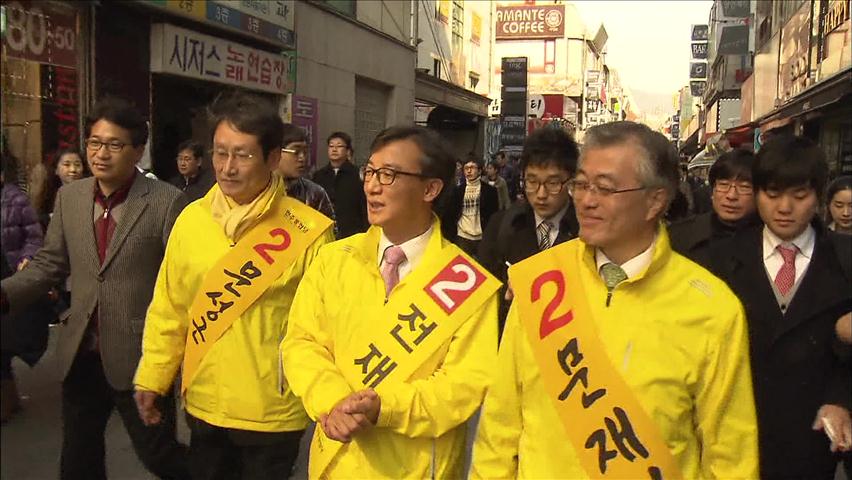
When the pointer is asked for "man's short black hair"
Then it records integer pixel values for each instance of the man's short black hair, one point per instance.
(343, 136)
(786, 161)
(249, 114)
(733, 165)
(122, 113)
(293, 134)
(550, 146)
(196, 148)
(436, 161)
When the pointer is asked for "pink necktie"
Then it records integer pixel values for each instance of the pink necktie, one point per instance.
(390, 272)
(786, 276)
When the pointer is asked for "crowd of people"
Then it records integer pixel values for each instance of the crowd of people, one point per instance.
(556, 299)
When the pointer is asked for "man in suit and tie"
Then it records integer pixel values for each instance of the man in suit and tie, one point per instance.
(108, 234)
(547, 218)
(788, 275)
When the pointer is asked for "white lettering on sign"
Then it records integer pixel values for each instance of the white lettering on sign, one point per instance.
(191, 54)
(441, 287)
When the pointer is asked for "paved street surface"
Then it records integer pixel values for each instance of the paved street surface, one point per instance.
(32, 439)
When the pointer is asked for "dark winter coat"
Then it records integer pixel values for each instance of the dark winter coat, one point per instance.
(796, 361)
(489, 204)
(22, 234)
(346, 191)
(692, 237)
(511, 237)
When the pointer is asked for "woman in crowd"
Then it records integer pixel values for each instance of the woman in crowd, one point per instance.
(21, 237)
(67, 166)
(840, 205)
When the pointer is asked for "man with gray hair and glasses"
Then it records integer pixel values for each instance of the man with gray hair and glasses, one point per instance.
(638, 354)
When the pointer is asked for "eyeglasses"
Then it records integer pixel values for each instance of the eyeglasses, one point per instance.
(551, 186)
(296, 151)
(185, 158)
(386, 175)
(743, 188)
(94, 145)
(224, 155)
(582, 187)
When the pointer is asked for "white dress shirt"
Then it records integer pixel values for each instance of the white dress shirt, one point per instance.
(555, 220)
(413, 249)
(772, 258)
(632, 267)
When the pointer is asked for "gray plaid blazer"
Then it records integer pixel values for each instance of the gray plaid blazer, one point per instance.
(121, 288)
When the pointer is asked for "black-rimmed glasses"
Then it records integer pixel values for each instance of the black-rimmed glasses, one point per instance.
(386, 176)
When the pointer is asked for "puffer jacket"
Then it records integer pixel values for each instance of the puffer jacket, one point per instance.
(22, 235)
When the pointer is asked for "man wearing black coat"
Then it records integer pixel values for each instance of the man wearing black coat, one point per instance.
(789, 277)
(732, 198)
(547, 218)
(342, 183)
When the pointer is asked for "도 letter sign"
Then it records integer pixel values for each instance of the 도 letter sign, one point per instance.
(530, 22)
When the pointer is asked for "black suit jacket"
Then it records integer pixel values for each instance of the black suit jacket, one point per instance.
(795, 357)
(511, 237)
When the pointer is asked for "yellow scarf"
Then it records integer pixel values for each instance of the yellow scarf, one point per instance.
(236, 219)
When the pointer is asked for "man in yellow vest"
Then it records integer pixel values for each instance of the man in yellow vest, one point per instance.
(392, 335)
(222, 299)
(620, 358)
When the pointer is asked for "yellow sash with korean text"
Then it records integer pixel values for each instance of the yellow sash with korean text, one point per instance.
(241, 276)
(424, 312)
(611, 433)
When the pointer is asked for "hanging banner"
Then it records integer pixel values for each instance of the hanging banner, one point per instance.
(179, 51)
(305, 114)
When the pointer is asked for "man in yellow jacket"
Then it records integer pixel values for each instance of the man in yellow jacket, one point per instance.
(222, 300)
(620, 358)
(392, 335)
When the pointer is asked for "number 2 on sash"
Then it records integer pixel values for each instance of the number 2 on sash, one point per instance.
(261, 248)
(440, 288)
(549, 324)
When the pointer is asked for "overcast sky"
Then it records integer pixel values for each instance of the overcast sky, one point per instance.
(648, 44)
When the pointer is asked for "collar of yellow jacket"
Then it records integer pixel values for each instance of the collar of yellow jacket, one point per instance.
(367, 246)
(236, 219)
(662, 253)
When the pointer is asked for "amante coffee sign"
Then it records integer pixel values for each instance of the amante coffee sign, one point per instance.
(530, 22)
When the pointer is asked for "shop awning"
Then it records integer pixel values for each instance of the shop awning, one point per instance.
(743, 134)
(690, 145)
(814, 98)
(702, 159)
(431, 89)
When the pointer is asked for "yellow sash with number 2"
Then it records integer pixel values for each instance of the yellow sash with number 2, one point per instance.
(241, 276)
(612, 435)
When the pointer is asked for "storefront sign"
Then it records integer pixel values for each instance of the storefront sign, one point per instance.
(837, 13)
(734, 40)
(699, 51)
(190, 54)
(698, 70)
(700, 33)
(530, 22)
(271, 20)
(38, 32)
(736, 8)
(475, 28)
(305, 113)
(697, 88)
(793, 61)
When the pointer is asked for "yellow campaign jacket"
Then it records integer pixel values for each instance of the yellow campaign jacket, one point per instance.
(678, 337)
(239, 383)
(421, 429)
